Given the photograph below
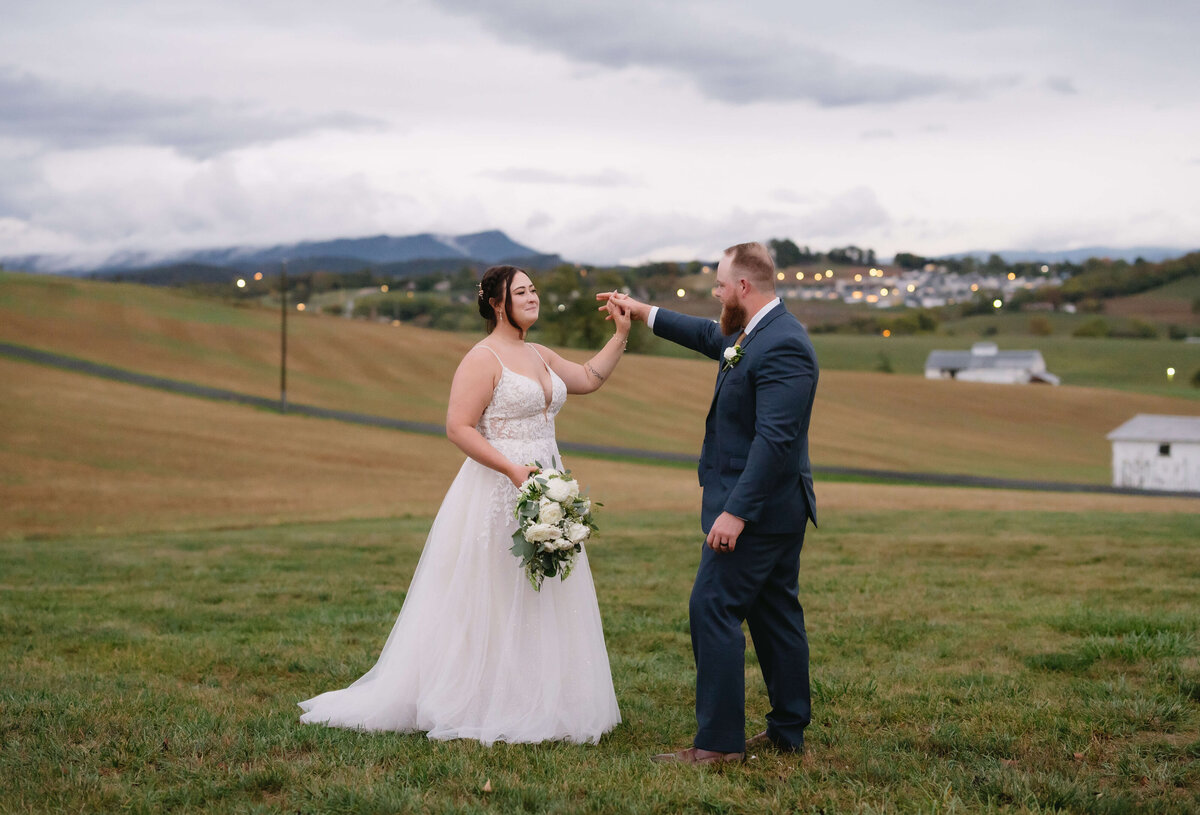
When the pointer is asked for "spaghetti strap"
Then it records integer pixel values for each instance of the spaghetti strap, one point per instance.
(539, 356)
(497, 356)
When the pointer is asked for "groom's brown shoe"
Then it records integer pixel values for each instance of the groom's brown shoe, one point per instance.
(759, 742)
(763, 742)
(694, 755)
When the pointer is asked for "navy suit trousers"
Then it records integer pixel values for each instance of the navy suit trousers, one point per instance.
(757, 583)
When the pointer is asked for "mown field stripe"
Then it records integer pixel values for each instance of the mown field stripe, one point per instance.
(75, 364)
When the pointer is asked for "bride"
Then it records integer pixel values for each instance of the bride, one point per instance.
(476, 652)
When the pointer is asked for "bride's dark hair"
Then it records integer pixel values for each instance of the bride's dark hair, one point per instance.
(494, 285)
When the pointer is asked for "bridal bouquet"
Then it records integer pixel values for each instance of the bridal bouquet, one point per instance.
(553, 521)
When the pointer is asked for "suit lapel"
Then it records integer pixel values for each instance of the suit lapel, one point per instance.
(723, 370)
(767, 319)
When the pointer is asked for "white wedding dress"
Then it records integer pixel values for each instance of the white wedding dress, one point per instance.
(476, 653)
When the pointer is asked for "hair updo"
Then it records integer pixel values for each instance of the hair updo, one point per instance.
(495, 285)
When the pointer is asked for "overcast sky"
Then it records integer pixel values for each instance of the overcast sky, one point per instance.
(621, 130)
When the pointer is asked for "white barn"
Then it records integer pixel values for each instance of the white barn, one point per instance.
(1153, 452)
(985, 362)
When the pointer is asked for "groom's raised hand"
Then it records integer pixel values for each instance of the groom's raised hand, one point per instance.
(635, 308)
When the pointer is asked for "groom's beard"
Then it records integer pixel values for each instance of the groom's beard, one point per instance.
(733, 318)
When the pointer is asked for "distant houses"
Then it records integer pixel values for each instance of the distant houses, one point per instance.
(1154, 452)
(887, 287)
(985, 362)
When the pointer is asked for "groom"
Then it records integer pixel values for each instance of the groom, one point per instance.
(758, 498)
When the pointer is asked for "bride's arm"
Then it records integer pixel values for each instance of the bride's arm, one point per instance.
(592, 374)
(470, 393)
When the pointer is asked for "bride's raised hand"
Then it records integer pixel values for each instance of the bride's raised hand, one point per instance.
(519, 473)
(621, 317)
(636, 309)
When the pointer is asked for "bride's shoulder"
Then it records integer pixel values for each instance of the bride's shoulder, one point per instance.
(481, 358)
(543, 352)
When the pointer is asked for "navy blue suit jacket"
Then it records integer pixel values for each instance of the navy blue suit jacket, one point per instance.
(754, 463)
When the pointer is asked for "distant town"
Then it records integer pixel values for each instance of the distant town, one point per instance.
(927, 287)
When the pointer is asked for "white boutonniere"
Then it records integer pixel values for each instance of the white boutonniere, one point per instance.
(733, 355)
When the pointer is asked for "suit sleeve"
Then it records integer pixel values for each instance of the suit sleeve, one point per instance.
(695, 333)
(783, 391)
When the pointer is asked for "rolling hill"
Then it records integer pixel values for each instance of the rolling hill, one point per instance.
(81, 455)
(862, 419)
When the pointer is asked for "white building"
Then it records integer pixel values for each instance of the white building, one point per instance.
(1153, 452)
(985, 362)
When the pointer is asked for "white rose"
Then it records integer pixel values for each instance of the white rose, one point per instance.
(562, 489)
(578, 533)
(541, 532)
(547, 472)
(550, 512)
(583, 507)
(730, 353)
(564, 544)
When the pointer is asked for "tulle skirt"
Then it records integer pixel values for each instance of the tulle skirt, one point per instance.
(476, 652)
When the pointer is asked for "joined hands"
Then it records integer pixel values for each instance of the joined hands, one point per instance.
(624, 305)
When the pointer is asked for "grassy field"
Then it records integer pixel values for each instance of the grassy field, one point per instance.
(1118, 364)
(1172, 304)
(962, 662)
(1132, 365)
(176, 573)
(82, 455)
(862, 419)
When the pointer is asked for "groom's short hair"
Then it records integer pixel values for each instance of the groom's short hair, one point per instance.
(753, 262)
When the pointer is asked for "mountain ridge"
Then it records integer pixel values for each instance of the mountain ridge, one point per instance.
(487, 247)
(422, 249)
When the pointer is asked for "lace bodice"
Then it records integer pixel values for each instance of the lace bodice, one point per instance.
(518, 409)
(519, 424)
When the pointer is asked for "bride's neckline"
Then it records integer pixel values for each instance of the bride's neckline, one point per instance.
(548, 394)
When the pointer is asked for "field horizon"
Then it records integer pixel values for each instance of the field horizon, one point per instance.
(862, 419)
(85, 455)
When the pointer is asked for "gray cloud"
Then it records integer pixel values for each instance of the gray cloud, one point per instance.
(845, 215)
(616, 234)
(790, 196)
(538, 220)
(725, 62)
(1061, 84)
(21, 186)
(535, 175)
(62, 116)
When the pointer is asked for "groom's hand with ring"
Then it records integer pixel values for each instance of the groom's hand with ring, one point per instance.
(723, 535)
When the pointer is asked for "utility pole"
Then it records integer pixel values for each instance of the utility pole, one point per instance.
(283, 309)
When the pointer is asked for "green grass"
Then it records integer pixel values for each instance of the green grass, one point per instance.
(1187, 288)
(962, 661)
(164, 303)
(1122, 364)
